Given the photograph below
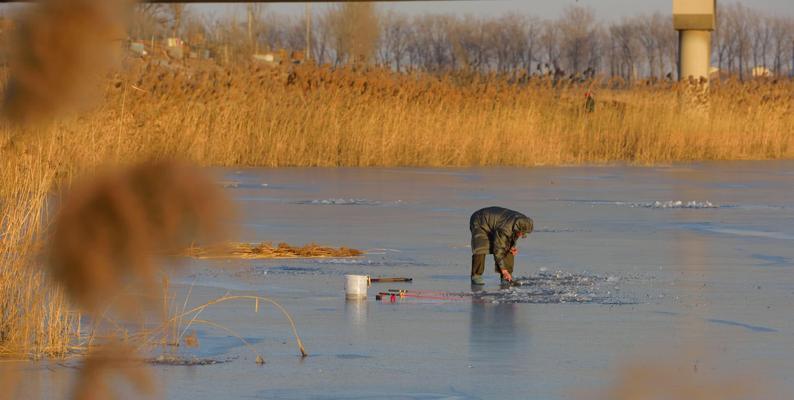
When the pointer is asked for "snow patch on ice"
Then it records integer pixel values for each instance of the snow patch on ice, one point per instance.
(667, 204)
(694, 204)
(677, 204)
(559, 287)
(346, 202)
(368, 262)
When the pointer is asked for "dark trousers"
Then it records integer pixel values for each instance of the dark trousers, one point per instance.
(478, 264)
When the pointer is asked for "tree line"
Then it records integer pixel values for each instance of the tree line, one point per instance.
(575, 43)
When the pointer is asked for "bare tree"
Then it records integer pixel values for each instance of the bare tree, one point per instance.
(577, 29)
(761, 38)
(623, 36)
(509, 36)
(431, 46)
(471, 42)
(550, 42)
(645, 45)
(735, 22)
(666, 44)
(254, 13)
(648, 39)
(355, 30)
(395, 33)
(530, 55)
(176, 12)
(147, 21)
(321, 39)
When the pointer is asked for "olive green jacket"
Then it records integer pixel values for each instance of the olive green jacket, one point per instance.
(494, 230)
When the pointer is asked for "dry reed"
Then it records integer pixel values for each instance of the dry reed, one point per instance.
(63, 50)
(318, 116)
(109, 228)
(657, 380)
(98, 378)
(267, 250)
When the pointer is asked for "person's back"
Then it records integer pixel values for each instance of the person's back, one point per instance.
(495, 230)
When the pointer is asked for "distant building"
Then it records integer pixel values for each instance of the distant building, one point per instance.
(175, 48)
(279, 57)
(139, 49)
(761, 72)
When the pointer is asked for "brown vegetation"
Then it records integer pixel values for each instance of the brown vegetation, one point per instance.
(62, 50)
(109, 229)
(317, 116)
(669, 380)
(267, 250)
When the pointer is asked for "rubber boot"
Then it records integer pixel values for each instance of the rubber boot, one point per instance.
(477, 280)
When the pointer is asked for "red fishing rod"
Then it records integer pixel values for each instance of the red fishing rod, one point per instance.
(429, 293)
(393, 297)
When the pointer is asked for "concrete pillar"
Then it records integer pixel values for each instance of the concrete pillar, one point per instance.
(695, 54)
(694, 20)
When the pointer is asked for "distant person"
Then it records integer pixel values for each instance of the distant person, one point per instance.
(495, 230)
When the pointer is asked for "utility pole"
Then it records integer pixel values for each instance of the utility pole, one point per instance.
(308, 55)
(251, 28)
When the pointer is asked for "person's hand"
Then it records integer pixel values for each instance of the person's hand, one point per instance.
(506, 275)
(514, 251)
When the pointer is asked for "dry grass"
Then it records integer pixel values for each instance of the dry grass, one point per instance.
(110, 228)
(652, 379)
(267, 250)
(320, 117)
(312, 116)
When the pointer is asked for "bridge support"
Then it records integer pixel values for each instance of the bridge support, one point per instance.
(694, 20)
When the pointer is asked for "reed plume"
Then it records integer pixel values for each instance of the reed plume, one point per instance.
(111, 227)
(62, 52)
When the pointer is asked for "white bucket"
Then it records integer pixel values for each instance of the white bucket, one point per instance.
(356, 287)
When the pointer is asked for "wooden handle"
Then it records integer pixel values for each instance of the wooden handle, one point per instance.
(391, 280)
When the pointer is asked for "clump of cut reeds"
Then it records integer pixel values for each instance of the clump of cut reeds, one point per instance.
(268, 250)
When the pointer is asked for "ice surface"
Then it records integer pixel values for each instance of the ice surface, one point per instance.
(713, 279)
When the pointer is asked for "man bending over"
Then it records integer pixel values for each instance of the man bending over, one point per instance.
(495, 230)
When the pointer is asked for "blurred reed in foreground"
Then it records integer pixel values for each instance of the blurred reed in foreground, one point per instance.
(62, 52)
(110, 228)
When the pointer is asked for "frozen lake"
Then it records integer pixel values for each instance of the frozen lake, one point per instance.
(689, 264)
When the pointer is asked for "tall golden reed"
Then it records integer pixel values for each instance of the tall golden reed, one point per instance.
(315, 116)
(62, 51)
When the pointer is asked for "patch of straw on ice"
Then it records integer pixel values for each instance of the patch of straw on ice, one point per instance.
(267, 250)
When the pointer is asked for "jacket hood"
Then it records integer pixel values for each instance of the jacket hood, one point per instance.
(523, 224)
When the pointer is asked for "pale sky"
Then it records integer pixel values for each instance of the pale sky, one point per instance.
(605, 9)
